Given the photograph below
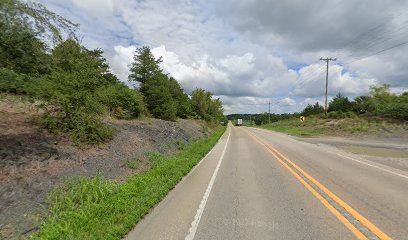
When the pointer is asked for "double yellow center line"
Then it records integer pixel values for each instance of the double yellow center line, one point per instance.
(292, 167)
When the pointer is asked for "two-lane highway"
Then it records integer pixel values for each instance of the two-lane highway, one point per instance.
(257, 184)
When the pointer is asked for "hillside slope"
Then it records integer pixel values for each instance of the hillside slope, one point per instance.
(34, 161)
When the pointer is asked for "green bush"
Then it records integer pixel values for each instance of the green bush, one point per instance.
(12, 82)
(340, 103)
(121, 102)
(340, 115)
(89, 129)
(313, 109)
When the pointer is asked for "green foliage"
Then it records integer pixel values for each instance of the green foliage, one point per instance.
(382, 103)
(158, 98)
(144, 66)
(362, 104)
(132, 164)
(79, 90)
(181, 99)
(340, 115)
(12, 82)
(161, 93)
(164, 96)
(76, 83)
(37, 19)
(337, 124)
(121, 101)
(313, 109)
(99, 209)
(205, 107)
(340, 103)
(21, 51)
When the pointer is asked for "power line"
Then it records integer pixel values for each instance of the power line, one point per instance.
(379, 52)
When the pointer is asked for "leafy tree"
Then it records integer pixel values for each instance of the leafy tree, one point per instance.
(121, 101)
(37, 19)
(181, 99)
(205, 107)
(79, 89)
(164, 97)
(340, 103)
(362, 104)
(158, 98)
(21, 51)
(313, 109)
(386, 104)
(144, 66)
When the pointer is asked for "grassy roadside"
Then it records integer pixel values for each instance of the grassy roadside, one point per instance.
(94, 208)
(349, 126)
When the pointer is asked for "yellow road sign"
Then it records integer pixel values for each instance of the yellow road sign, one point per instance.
(302, 118)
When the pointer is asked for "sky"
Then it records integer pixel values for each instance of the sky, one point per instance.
(251, 52)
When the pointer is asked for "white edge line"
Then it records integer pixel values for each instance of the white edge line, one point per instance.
(201, 207)
(364, 163)
(374, 166)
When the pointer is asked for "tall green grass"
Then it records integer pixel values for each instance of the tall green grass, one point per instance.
(336, 124)
(95, 208)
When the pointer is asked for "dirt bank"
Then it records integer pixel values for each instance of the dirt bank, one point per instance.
(34, 161)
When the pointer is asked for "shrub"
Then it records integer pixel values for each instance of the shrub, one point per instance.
(121, 102)
(12, 82)
(340, 103)
(313, 109)
(89, 129)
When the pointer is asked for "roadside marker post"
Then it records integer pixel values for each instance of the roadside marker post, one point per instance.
(302, 119)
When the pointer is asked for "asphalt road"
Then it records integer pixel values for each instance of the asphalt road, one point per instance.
(257, 184)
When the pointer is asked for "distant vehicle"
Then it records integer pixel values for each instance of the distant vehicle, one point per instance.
(239, 122)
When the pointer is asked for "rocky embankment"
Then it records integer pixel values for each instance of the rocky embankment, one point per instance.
(34, 161)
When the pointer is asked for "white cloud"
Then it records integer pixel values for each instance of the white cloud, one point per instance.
(312, 82)
(122, 58)
(96, 7)
(252, 51)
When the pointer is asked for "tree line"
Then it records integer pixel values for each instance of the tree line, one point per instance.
(380, 103)
(75, 84)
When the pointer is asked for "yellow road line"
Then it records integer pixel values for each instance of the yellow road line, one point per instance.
(347, 207)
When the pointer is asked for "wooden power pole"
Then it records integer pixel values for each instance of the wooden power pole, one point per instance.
(327, 77)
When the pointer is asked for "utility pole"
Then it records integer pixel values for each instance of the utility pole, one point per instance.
(327, 77)
(269, 115)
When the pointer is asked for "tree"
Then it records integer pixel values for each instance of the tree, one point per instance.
(158, 98)
(144, 66)
(205, 107)
(362, 104)
(36, 18)
(181, 99)
(340, 103)
(313, 109)
(164, 97)
(21, 51)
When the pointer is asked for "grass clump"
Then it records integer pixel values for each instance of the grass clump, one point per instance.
(94, 208)
(132, 164)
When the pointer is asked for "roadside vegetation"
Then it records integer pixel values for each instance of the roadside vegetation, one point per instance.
(95, 208)
(41, 57)
(381, 112)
